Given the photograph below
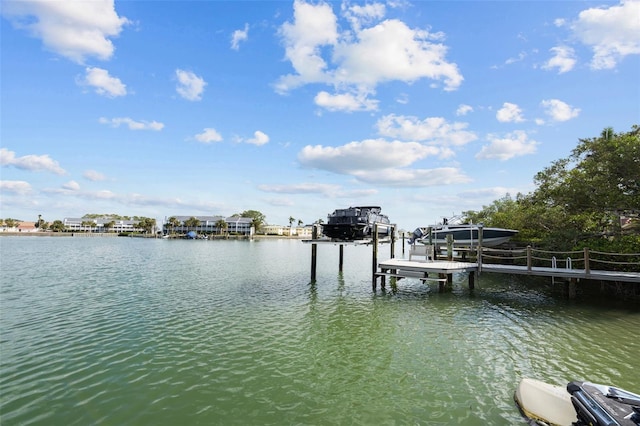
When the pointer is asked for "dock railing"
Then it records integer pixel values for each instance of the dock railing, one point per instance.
(586, 259)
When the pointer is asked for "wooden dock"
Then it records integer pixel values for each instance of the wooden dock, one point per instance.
(425, 271)
(431, 268)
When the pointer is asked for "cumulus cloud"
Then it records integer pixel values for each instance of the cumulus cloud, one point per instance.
(376, 161)
(563, 60)
(397, 177)
(371, 154)
(74, 29)
(558, 110)
(509, 113)
(208, 135)
(464, 109)
(190, 86)
(301, 188)
(103, 83)
(357, 59)
(238, 36)
(512, 145)
(72, 185)
(33, 163)
(93, 176)
(611, 32)
(435, 130)
(19, 187)
(132, 124)
(259, 138)
(345, 102)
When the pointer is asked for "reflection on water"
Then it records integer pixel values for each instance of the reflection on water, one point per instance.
(132, 331)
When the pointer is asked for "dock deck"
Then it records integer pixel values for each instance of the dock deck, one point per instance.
(403, 268)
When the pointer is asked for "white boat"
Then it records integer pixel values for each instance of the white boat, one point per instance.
(465, 235)
(577, 404)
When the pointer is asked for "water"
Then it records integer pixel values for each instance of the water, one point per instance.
(127, 331)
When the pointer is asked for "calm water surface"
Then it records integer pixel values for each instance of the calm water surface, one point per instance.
(127, 331)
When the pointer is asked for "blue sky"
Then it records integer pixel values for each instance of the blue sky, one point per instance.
(427, 108)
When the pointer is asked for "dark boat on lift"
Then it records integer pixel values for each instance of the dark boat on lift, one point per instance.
(356, 223)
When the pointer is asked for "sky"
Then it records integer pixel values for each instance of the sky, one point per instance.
(424, 108)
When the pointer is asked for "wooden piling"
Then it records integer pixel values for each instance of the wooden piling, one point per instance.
(472, 280)
(374, 259)
(572, 288)
(314, 253)
(341, 258)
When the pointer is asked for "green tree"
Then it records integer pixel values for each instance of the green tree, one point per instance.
(578, 201)
(222, 226)
(88, 224)
(258, 219)
(291, 220)
(172, 223)
(192, 222)
(147, 224)
(11, 223)
(57, 226)
(109, 225)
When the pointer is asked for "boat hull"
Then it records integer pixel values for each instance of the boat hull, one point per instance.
(579, 403)
(356, 223)
(544, 404)
(467, 236)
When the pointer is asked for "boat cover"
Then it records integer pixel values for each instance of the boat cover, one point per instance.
(601, 405)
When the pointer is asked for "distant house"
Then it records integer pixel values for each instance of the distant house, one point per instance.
(74, 224)
(209, 224)
(27, 227)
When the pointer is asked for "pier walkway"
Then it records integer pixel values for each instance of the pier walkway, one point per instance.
(402, 268)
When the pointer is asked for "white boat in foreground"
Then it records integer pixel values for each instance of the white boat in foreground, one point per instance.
(467, 235)
(577, 404)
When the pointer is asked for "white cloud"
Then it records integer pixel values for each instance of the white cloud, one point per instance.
(397, 177)
(509, 113)
(238, 36)
(103, 83)
(359, 15)
(512, 145)
(371, 154)
(208, 135)
(74, 29)
(611, 32)
(259, 138)
(33, 163)
(435, 130)
(345, 102)
(72, 185)
(558, 110)
(93, 176)
(132, 124)
(19, 187)
(190, 86)
(356, 60)
(301, 188)
(326, 190)
(518, 58)
(564, 59)
(464, 109)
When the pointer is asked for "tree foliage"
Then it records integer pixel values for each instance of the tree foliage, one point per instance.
(258, 219)
(578, 200)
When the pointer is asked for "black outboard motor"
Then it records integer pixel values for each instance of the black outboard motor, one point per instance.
(600, 405)
(417, 234)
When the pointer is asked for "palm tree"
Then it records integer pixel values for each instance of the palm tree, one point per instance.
(173, 223)
(221, 225)
(109, 225)
(291, 220)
